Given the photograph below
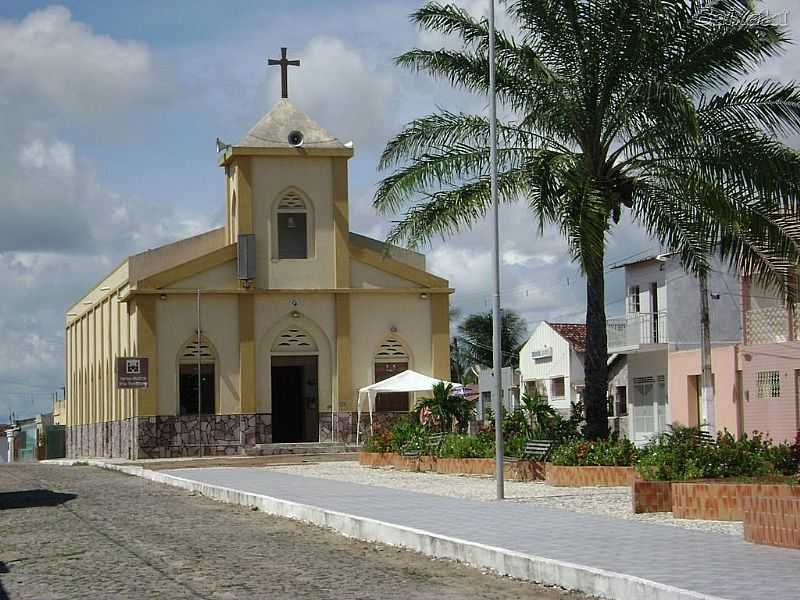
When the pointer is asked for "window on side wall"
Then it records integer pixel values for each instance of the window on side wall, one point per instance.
(486, 402)
(622, 400)
(634, 304)
(558, 387)
(768, 384)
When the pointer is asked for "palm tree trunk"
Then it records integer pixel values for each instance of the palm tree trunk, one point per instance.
(596, 367)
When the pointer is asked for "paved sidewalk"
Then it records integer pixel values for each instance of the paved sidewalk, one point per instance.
(710, 564)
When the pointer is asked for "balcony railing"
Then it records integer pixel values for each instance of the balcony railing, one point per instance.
(636, 329)
(769, 325)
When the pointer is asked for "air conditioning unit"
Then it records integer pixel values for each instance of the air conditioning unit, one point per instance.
(542, 353)
(246, 257)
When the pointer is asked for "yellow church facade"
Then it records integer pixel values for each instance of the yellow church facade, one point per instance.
(259, 332)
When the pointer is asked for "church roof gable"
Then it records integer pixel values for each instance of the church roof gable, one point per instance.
(272, 131)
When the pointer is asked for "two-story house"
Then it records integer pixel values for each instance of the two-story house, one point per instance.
(770, 363)
(662, 317)
(551, 361)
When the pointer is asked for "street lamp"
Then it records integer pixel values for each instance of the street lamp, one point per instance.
(497, 355)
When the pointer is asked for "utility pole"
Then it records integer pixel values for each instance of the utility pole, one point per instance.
(706, 380)
(199, 380)
(496, 318)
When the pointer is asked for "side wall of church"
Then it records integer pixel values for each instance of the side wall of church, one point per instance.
(93, 342)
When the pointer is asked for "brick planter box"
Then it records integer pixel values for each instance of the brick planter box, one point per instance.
(651, 496)
(522, 470)
(589, 476)
(388, 459)
(772, 521)
(719, 501)
(517, 471)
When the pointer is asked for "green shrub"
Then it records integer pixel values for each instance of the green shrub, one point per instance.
(466, 446)
(513, 445)
(408, 435)
(598, 453)
(681, 455)
(380, 441)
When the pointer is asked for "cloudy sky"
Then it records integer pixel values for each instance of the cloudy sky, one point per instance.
(108, 116)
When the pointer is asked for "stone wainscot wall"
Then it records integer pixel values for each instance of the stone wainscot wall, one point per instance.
(169, 436)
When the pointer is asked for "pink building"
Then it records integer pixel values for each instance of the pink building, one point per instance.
(684, 388)
(770, 363)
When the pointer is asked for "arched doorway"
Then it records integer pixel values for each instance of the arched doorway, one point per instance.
(295, 387)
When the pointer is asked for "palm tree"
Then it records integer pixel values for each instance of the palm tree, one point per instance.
(613, 109)
(475, 336)
(537, 410)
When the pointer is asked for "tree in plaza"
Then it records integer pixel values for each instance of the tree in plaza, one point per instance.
(475, 338)
(615, 107)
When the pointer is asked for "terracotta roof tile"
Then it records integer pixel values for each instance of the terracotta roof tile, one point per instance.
(574, 333)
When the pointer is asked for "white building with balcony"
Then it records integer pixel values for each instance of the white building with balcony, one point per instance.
(552, 362)
(662, 314)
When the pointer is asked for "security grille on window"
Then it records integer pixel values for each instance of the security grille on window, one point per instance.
(391, 359)
(769, 384)
(292, 226)
(197, 378)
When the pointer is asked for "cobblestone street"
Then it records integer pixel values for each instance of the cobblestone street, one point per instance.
(82, 532)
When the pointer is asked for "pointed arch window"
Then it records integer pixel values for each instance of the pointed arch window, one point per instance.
(197, 378)
(293, 226)
(390, 359)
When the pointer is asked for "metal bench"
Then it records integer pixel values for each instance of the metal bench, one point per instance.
(702, 436)
(535, 450)
(431, 448)
(706, 438)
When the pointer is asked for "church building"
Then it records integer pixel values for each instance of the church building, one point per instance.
(259, 332)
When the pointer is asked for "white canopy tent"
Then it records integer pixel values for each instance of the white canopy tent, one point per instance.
(407, 381)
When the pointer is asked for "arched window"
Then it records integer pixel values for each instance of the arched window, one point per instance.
(197, 378)
(293, 226)
(391, 359)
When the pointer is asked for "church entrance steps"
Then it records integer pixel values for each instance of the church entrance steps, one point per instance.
(302, 448)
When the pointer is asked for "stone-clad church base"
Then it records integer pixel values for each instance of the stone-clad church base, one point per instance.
(212, 435)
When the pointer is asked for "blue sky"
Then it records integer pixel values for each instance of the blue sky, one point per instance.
(108, 116)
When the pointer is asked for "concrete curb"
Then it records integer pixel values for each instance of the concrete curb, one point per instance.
(597, 582)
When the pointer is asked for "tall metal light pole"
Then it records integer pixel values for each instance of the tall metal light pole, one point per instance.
(199, 379)
(497, 356)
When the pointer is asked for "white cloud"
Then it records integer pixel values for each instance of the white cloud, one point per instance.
(337, 88)
(55, 155)
(53, 61)
(61, 227)
(433, 40)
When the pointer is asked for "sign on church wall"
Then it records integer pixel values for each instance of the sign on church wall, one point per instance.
(132, 372)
